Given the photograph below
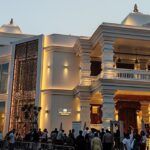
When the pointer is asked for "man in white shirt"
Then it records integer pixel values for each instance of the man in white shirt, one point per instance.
(127, 142)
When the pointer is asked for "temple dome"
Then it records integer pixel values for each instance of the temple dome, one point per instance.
(10, 28)
(136, 18)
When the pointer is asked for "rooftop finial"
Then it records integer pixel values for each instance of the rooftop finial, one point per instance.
(11, 21)
(135, 8)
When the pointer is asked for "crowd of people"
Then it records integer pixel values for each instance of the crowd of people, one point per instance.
(134, 141)
(88, 139)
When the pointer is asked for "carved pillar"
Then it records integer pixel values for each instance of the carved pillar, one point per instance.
(85, 69)
(108, 109)
(84, 96)
(107, 59)
(85, 111)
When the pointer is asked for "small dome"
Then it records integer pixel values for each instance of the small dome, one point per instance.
(136, 18)
(10, 28)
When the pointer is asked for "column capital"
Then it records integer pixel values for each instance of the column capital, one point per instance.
(83, 92)
(108, 92)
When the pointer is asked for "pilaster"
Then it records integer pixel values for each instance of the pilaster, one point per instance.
(107, 59)
(85, 69)
(108, 108)
(83, 49)
(84, 95)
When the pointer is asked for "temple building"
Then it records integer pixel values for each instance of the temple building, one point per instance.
(91, 80)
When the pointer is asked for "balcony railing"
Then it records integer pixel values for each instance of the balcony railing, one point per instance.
(132, 74)
(123, 74)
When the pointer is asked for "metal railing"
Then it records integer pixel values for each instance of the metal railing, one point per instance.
(21, 145)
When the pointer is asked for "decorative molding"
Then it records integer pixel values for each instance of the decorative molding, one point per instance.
(59, 48)
(58, 92)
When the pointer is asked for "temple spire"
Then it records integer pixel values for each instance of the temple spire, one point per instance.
(135, 8)
(11, 21)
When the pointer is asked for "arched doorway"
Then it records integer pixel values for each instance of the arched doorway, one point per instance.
(127, 112)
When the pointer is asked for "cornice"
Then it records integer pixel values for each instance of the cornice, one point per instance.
(116, 84)
(10, 35)
(83, 92)
(59, 48)
(111, 31)
(58, 92)
(82, 46)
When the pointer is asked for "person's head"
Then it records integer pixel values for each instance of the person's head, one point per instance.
(87, 128)
(126, 135)
(135, 131)
(73, 130)
(103, 130)
(142, 133)
(13, 130)
(80, 132)
(96, 134)
(45, 130)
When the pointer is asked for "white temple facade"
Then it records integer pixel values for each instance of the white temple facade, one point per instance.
(91, 80)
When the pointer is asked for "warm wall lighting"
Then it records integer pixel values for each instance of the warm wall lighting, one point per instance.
(66, 66)
(48, 66)
(46, 111)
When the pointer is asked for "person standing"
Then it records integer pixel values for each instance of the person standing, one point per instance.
(80, 142)
(126, 142)
(96, 143)
(12, 139)
(107, 140)
(143, 141)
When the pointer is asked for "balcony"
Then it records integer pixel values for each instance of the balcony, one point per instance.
(123, 74)
(128, 74)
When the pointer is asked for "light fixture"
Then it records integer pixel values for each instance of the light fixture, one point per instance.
(46, 111)
(48, 66)
(66, 66)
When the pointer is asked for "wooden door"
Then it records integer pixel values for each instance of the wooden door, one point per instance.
(128, 116)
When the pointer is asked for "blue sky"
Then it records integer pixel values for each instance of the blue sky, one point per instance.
(75, 17)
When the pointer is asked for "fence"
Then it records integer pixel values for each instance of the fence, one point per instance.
(34, 146)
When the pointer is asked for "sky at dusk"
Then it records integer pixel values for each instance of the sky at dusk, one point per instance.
(75, 17)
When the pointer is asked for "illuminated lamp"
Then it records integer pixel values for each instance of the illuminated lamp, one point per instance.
(46, 111)
(66, 66)
(48, 66)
